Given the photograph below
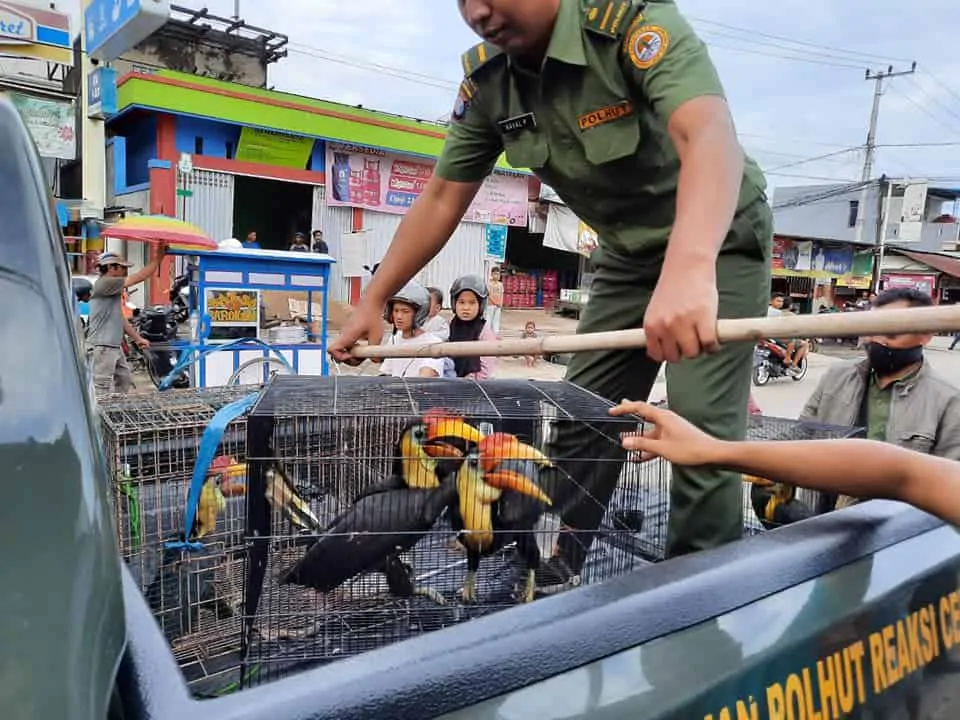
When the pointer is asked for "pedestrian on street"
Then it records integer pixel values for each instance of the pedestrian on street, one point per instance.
(494, 301)
(108, 324)
(618, 107)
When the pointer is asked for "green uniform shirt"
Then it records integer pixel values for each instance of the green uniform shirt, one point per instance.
(879, 401)
(592, 123)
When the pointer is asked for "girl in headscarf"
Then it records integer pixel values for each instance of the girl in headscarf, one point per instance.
(468, 296)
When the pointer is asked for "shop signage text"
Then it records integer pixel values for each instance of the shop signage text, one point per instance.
(34, 32)
(389, 183)
(14, 26)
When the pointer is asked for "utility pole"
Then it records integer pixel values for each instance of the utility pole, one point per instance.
(871, 147)
(869, 156)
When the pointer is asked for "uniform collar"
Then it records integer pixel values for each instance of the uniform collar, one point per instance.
(566, 41)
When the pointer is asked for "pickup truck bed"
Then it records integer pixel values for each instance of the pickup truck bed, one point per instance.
(851, 614)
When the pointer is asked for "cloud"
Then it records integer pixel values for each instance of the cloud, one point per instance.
(791, 100)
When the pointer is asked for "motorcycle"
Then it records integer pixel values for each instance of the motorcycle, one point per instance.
(179, 296)
(158, 324)
(770, 362)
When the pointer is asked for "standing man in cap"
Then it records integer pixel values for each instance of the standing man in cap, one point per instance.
(108, 324)
(616, 105)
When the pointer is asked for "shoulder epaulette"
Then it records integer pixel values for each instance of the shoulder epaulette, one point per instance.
(478, 56)
(610, 17)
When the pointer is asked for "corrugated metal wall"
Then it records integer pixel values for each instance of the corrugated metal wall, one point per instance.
(335, 222)
(211, 206)
(463, 255)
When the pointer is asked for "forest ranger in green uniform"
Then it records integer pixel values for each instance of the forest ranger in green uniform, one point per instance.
(617, 106)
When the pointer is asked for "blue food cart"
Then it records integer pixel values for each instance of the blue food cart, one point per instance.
(227, 289)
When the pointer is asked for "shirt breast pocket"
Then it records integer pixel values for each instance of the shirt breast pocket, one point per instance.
(611, 142)
(526, 149)
(921, 442)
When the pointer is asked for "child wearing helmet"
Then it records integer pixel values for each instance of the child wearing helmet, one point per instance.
(407, 311)
(468, 296)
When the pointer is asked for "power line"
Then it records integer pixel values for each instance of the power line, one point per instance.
(922, 109)
(408, 75)
(936, 100)
(808, 177)
(752, 33)
(816, 158)
(811, 61)
(821, 56)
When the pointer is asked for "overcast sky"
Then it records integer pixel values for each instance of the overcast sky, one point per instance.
(796, 95)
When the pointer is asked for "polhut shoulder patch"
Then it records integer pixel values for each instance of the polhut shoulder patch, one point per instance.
(605, 114)
(605, 17)
(464, 96)
(647, 45)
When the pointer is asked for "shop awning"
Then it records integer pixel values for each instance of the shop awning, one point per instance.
(944, 263)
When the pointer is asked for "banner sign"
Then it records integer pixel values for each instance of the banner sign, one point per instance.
(51, 124)
(274, 148)
(384, 182)
(496, 236)
(34, 32)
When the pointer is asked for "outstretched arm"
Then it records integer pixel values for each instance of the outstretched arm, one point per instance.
(861, 468)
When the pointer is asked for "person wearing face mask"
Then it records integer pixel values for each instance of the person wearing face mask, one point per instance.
(892, 392)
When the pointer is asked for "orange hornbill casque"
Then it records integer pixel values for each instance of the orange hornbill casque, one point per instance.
(391, 517)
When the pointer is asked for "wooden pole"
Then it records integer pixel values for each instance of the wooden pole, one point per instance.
(945, 318)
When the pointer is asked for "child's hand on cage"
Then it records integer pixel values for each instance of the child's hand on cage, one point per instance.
(665, 434)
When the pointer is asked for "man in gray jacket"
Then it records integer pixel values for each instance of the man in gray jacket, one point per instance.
(893, 392)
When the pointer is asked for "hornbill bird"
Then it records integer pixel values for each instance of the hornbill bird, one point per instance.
(497, 505)
(392, 517)
(776, 504)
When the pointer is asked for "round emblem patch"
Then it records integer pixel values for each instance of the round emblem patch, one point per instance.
(460, 107)
(647, 45)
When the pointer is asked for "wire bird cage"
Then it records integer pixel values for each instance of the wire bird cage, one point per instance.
(151, 442)
(313, 591)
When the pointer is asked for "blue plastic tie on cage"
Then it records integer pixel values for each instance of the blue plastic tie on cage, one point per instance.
(209, 443)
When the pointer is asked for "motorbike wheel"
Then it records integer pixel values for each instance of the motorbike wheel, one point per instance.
(801, 370)
(761, 374)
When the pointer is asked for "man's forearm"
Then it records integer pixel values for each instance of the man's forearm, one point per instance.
(860, 468)
(711, 172)
(423, 232)
(131, 331)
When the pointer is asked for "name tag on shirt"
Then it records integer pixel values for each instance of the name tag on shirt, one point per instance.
(518, 123)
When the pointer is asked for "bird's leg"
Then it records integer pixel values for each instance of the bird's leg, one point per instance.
(469, 590)
(530, 587)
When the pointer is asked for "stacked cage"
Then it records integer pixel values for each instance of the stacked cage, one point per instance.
(321, 452)
(151, 442)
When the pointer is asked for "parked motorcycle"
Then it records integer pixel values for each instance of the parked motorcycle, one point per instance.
(770, 362)
(158, 324)
(180, 298)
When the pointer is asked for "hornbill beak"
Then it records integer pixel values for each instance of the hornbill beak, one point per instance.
(234, 486)
(496, 448)
(500, 447)
(510, 480)
(449, 437)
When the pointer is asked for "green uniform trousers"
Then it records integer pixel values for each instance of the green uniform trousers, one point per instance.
(711, 391)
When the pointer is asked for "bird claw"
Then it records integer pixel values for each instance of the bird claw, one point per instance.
(430, 594)
(468, 593)
(528, 595)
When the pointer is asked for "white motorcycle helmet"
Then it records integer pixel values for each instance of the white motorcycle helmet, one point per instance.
(416, 296)
(230, 244)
